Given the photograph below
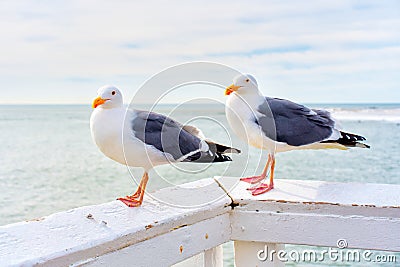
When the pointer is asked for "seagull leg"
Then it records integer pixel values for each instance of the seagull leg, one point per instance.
(258, 178)
(263, 188)
(137, 193)
(137, 198)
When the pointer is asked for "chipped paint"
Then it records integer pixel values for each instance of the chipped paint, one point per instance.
(349, 209)
(36, 219)
(391, 207)
(180, 226)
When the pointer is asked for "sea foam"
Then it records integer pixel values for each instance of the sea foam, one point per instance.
(366, 114)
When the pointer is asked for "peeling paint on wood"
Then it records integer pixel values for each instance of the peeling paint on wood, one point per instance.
(69, 237)
(319, 212)
(179, 226)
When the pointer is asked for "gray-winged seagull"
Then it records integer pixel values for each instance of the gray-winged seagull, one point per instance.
(279, 125)
(146, 139)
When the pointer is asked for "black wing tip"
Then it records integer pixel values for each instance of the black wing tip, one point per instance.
(221, 158)
(352, 137)
(207, 158)
(362, 145)
(350, 140)
(222, 149)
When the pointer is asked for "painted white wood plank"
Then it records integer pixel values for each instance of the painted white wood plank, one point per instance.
(214, 257)
(317, 213)
(305, 191)
(196, 260)
(171, 247)
(379, 200)
(298, 212)
(67, 237)
(376, 233)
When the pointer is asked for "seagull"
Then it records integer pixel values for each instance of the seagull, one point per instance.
(279, 125)
(146, 139)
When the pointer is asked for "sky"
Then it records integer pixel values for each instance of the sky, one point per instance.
(306, 51)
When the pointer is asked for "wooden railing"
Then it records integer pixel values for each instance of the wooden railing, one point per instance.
(177, 223)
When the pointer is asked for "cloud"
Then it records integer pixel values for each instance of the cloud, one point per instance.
(295, 49)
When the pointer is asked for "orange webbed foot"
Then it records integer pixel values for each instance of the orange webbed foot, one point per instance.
(253, 179)
(130, 201)
(261, 189)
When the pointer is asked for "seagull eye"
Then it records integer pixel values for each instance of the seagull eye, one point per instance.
(247, 80)
(113, 92)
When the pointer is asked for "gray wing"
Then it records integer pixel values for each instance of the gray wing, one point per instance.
(294, 124)
(165, 134)
(176, 139)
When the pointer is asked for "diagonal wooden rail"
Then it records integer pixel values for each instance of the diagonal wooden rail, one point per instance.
(179, 222)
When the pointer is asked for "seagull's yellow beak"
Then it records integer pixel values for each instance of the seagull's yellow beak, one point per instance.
(231, 88)
(98, 101)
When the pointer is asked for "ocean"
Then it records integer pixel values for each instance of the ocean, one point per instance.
(49, 163)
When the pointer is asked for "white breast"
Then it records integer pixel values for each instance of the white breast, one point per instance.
(112, 132)
(106, 128)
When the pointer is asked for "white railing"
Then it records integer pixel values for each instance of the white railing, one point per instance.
(162, 232)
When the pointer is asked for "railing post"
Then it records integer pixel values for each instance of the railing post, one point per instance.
(257, 254)
(214, 257)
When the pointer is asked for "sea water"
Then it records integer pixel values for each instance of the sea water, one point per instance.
(49, 163)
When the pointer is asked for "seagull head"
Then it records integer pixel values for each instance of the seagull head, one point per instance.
(108, 96)
(243, 84)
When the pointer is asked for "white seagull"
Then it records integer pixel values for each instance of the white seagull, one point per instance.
(279, 125)
(146, 139)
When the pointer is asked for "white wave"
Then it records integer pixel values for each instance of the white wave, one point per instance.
(390, 115)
